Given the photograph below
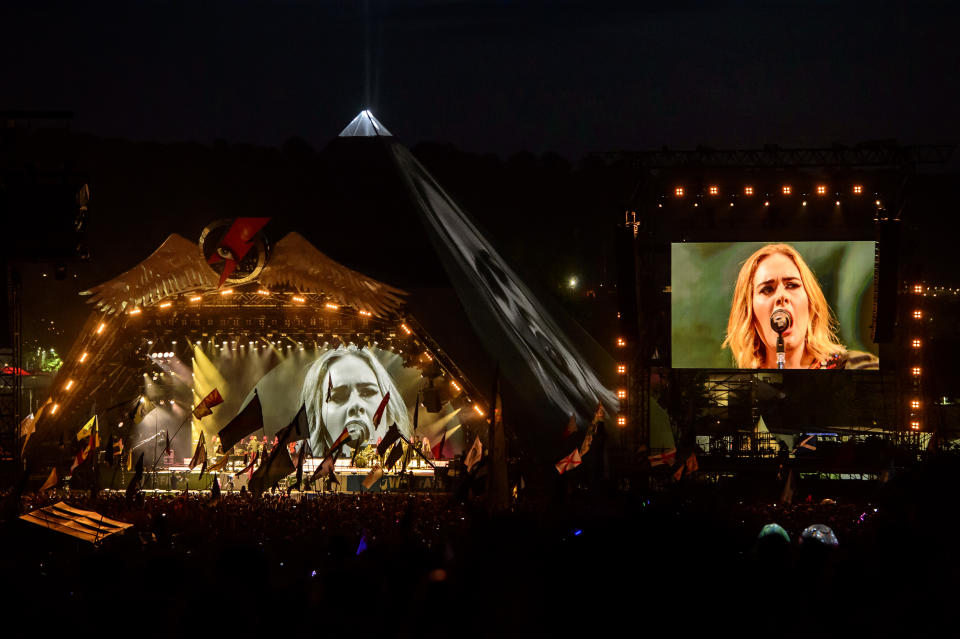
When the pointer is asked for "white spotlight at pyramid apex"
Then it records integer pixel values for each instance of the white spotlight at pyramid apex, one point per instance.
(364, 125)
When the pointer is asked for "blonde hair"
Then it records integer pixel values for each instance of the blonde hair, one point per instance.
(313, 394)
(743, 338)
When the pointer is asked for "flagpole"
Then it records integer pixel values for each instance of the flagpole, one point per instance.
(418, 452)
(189, 415)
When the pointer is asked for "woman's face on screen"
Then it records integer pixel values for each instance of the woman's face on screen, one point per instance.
(355, 397)
(777, 284)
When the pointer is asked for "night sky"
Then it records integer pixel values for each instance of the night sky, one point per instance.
(487, 77)
(570, 77)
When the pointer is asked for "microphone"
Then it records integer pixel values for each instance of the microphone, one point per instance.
(780, 321)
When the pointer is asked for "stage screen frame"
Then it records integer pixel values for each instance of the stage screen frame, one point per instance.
(702, 279)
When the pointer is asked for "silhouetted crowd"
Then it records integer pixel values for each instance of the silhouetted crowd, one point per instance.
(693, 559)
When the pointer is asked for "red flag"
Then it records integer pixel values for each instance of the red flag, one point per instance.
(663, 458)
(85, 452)
(569, 462)
(212, 399)
(377, 416)
(248, 466)
(438, 449)
(344, 436)
(691, 463)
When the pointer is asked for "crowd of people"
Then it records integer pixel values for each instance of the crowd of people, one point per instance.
(408, 563)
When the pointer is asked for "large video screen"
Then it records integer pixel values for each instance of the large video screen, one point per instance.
(731, 302)
(340, 388)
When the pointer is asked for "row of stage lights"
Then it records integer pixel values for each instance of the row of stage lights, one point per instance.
(915, 371)
(749, 191)
(70, 383)
(821, 191)
(296, 298)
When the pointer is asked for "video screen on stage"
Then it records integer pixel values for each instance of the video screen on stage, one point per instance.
(339, 388)
(733, 303)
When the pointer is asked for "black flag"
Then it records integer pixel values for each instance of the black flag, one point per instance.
(134, 486)
(393, 434)
(277, 465)
(395, 454)
(246, 421)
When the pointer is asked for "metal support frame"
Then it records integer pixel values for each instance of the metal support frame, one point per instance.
(11, 384)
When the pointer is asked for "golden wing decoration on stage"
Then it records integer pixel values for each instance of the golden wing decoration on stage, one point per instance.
(296, 263)
(176, 267)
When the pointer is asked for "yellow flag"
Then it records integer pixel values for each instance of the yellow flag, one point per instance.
(51, 480)
(84, 432)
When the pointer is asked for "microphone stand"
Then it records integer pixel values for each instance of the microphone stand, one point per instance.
(781, 356)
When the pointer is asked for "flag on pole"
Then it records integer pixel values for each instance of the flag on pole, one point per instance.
(277, 465)
(301, 455)
(569, 462)
(141, 409)
(200, 453)
(28, 425)
(598, 414)
(109, 449)
(301, 428)
(330, 459)
(215, 490)
(52, 480)
(372, 477)
(220, 463)
(393, 434)
(786, 497)
(394, 455)
(474, 454)
(585, 446)
(85, 451)
(437, 450)
(84, 432)
(416, 413)
(663, 458)
(498, 492)
(134, 486)
(203, 409)
(339, 442)
(326, 466)
(381, 409)
(247, 420)
(248, 467)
